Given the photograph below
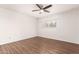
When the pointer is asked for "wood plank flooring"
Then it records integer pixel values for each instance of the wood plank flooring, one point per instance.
(39, 45)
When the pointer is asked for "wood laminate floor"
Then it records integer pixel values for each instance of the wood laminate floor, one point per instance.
(39, 45)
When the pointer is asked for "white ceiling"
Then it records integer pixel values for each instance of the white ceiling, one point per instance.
(27, 8)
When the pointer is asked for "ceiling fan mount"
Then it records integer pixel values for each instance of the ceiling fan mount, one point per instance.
(42, 8)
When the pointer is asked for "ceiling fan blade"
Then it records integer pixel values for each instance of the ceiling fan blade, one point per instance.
(34, 10)
(39, 6)
(46, 11)
(47, 6)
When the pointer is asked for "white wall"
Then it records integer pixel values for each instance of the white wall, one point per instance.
(15, 26)
(67, 28)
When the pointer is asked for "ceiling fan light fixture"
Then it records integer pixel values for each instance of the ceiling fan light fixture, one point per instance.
(41, 11)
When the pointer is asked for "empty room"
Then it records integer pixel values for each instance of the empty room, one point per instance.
(39, 28)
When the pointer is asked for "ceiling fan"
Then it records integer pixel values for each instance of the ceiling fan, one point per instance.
(42, 8)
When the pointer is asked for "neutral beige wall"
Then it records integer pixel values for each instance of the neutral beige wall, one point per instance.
(15, 26)
(66, 29)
